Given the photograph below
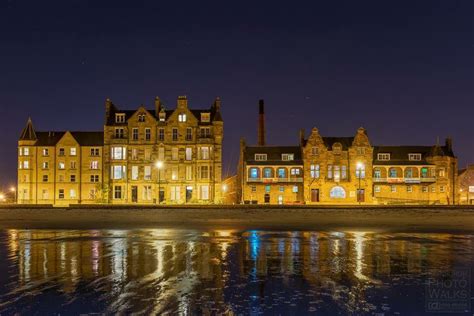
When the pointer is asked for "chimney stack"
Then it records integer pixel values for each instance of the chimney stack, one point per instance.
(157, 106)
(261, 123)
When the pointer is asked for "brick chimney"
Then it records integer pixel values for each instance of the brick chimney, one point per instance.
(261, 123)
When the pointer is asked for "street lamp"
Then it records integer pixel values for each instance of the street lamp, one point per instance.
(159, 165)
(13, 189)
(359, 167)
(2, 197)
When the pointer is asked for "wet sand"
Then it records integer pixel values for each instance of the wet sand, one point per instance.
(397, 219)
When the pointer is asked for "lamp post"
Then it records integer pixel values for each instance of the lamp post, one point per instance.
(159, 166)
(13, 189)
(359, 175)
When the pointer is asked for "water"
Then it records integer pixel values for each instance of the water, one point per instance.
(182, 271)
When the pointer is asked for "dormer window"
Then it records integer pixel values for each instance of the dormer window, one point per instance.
(182, 117)
(120, 118)
(162, 116)
(336, 148)
(414, 157)
(287, 157)
(260, 157)
(314, 151)
(205, 117)
(383, 157)
(141, 117)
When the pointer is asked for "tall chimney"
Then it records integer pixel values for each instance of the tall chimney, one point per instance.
(261, 123)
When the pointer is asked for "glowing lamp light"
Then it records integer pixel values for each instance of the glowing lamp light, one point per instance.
(2, 197)
(12, 189)
(159, 164)
(360, 165)
(224, 188)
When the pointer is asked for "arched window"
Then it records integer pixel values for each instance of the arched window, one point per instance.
(268, 173)
(393, 173)
(254, 173)
(337, 192)
(377, 173)
(281, 173)
(409, 173)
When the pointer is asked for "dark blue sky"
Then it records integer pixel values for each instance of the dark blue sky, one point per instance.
(402, 69)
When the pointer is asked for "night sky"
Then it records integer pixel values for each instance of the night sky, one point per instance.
(404, 70)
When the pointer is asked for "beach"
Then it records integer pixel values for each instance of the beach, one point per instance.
(439, 219)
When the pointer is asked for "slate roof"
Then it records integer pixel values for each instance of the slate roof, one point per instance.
(83, 138)
(28, 132)
(273, 155)
(399, 154)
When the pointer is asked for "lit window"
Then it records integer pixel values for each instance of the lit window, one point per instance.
(254, 173)
(383, 156)
(267, 189)
(72, 151)
(282, 189)
(45, 165)
(433, 189)
(337, 173)
(174, 173)
(442, 172)
(360, 171)
(147, 173)
(424, 172)
(314, 171)
(189, 153)
(26, 151)
(393, 173)
(204, 153)
(182, 117)
(415, 157)
(205, 117)
(118, 153)
(409, 173)
(344, 172)
(118, 172)
(295, 189)
(281, 173)
(134, 172)
(174, 153)
(94, 164)
(268, 173)
(287, 157)
(329, 171)
(393, 189)
(189, 172)
(62, 165)
(377, 189)
(260, 157)
(147, 192)
(45, 152)
(295, 171)
(162, 116)
(337, 192)
(204, 192)
(441, 188)
(175, 193)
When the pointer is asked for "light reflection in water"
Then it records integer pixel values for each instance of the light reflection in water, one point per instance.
(222, 271)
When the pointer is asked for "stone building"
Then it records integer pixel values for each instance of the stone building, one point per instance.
(337, 170)
(415, 174)
(466, 185)
(345, 170)
(142, 156)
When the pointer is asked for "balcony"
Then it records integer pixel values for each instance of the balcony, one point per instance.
(404, 180)
(275, 180)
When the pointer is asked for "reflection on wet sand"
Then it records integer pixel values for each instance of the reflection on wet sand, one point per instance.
(187, 271)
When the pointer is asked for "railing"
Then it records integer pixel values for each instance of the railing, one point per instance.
(275, 180)
(404, 180)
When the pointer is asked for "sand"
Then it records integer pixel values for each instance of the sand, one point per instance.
(396, 219)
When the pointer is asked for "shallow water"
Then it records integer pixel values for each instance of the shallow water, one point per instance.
(181, 271)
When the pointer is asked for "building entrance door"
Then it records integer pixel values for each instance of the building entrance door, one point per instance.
(360, 195)
(314, 195)
(280, 199)
(267, 198)
(189, 194)
(134, 194)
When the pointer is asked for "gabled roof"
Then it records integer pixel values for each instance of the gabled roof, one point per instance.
(48, 138)
(346, 142)
(273, 155)
(28, 132)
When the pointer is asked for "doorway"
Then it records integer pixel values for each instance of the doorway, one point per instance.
(267, 198)
(189, 193)
(314, 195)
(360, 195)
(134, 194)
